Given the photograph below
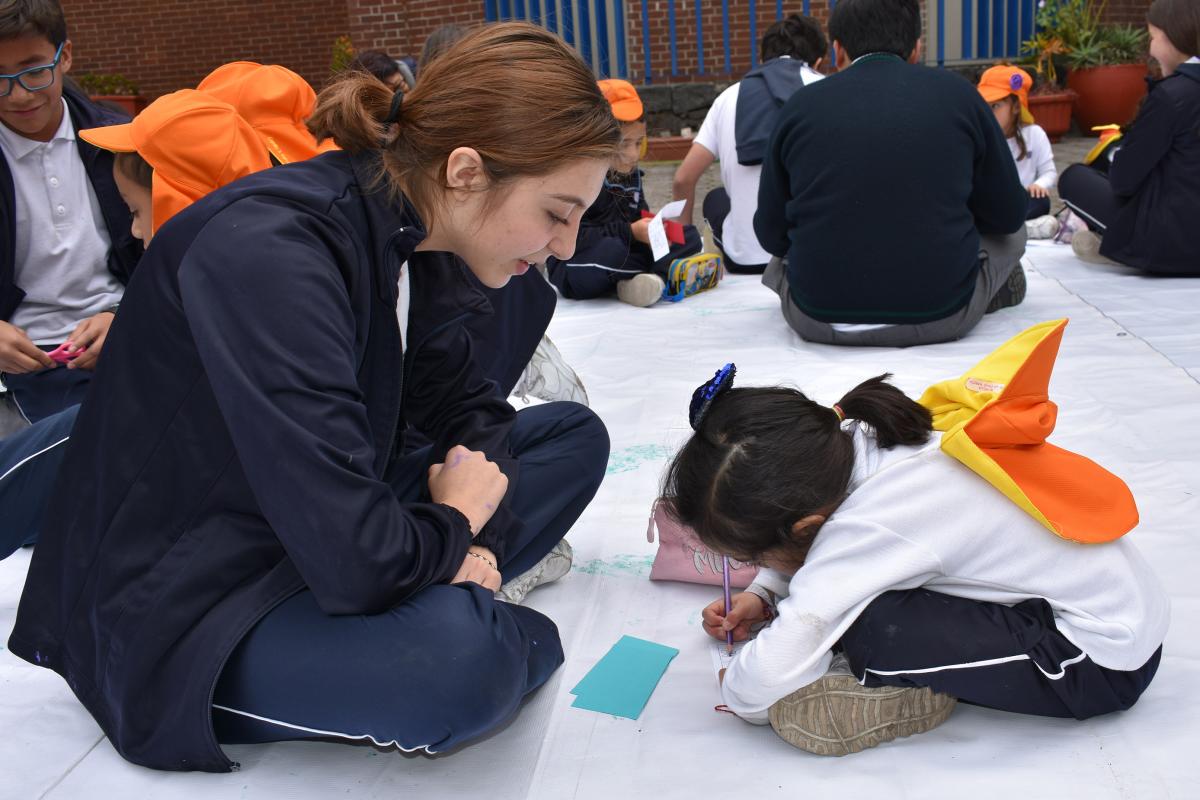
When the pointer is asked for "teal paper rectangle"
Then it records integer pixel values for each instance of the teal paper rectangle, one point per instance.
(623, 680)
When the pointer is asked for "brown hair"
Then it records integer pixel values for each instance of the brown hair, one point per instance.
(487, 92)
(136, 168)
(39, 17)
(1180, 21)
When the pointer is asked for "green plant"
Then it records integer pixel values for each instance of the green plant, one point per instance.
(95, 83)
(1072, 31)
(343, 54)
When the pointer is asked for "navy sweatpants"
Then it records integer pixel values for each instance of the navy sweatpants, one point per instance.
(596, 271)
(48, 391)
(716, 209)
(447, 665)
(1087, 192)
(1010, 658)
(29, 462)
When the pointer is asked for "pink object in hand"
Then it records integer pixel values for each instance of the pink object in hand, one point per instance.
(683, 557)
(61, 355)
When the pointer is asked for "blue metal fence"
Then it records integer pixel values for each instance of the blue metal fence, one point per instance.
(956, 31)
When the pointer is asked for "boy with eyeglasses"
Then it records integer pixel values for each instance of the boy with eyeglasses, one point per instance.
(66, 251)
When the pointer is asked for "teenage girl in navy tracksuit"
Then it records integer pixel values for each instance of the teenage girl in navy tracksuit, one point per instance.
(1146, 207)
(249, 554)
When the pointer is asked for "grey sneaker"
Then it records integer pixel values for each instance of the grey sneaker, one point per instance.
(836, 715)
(548, 376)
(553, 566)
(1086, 245)
(641, 290)
(1043, 227)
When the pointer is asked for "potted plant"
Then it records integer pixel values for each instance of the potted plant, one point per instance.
(1108, 72)
(1049, 102)
(115, 89)
(1106, 63)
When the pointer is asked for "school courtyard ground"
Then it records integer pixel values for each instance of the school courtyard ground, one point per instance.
(1127, 383)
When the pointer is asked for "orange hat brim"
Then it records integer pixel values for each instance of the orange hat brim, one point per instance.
(114, 138)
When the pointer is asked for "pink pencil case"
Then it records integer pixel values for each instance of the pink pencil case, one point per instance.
(683, 557)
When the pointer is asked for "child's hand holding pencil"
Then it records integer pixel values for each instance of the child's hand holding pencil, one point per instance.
(746, 610)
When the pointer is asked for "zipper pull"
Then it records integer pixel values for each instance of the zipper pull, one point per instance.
(650, 522)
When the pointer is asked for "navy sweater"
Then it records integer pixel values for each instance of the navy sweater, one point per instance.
(1157, 173)
(877, 184)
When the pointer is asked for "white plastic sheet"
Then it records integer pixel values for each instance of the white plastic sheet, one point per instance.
(1126, 400)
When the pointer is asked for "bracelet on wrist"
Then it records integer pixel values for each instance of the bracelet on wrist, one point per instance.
(484, 559)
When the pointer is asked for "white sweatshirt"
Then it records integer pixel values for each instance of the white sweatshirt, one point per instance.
(1038, 164)
(916, 517)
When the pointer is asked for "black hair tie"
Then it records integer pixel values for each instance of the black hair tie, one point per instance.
(394, 112)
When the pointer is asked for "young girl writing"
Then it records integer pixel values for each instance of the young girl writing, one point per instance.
(1143, 212)
(1006, 90)
(251, 553)
(877, 546)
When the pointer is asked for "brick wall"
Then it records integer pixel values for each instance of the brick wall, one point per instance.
(165, 45)
(399, 27)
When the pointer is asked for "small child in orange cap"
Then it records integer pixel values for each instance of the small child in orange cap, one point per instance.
(613, 251)
(1006, 89)
(181, 147)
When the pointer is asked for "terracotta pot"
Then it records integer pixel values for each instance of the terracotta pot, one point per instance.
(1052, 112)
(132, 103)
(1107, 95)
(667, 148)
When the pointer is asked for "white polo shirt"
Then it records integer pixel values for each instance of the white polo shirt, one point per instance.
(717, 136)
(61, 243)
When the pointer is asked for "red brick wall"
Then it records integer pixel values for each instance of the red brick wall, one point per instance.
(399, 27)
(165, 45)
(1126, 12)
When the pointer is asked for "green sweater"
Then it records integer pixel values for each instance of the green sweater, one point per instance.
(876, 186)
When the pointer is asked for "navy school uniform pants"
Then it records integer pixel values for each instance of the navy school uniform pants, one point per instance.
(597, 271)
(1011, 658)
(716, 209)
(1038, 207)
(29, 462)
(443, 667)
(40, 394)
(1088, 193)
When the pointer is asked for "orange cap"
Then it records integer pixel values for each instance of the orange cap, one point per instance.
(195, 144)
(995, 419)
(275, 101)
(626, 105)
(998, 83)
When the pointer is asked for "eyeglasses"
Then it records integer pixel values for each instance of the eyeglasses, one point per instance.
(33, 79)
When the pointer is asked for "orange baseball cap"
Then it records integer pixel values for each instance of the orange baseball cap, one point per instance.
(275, 101)
(999, 82)
(195, 144)
(626, 105)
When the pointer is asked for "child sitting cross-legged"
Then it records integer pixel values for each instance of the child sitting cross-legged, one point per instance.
(895, 581)
(1006, 90)
(613, 250)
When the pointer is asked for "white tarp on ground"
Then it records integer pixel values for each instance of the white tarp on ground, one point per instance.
(1126, 400)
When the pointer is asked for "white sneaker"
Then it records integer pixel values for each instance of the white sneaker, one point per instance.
(641, 290)
(1043, 227)
(1086, 245)
(553, 566)
(548, 376)
(836, 715)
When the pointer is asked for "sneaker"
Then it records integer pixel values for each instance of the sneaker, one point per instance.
(1043, 227)
(548, 376)
(553, 566)
(836, 715)
(641, 290)
(1086, 245)
(1011, 292)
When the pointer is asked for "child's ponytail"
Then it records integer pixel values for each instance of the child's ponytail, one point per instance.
(894, 416)
(352, 111)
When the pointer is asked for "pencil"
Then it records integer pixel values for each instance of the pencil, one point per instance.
(728, 601)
